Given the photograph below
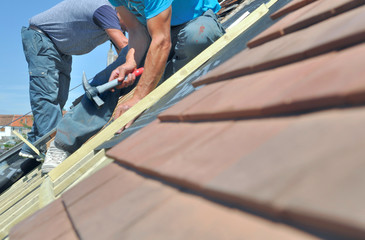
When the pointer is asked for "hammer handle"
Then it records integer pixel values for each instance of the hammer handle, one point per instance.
(116, 82)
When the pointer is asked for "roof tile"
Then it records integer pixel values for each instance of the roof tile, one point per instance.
(190, 217)
(334, 34)
(290, 7)
(153, 210)
(310, 151)
(51, 222)
(111, 204)
(196, 162)
(304, 17)
(22, 121)
(5, 119)
(277, 30)
(330, 80)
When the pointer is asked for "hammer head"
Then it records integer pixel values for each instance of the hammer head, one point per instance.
(92, 93)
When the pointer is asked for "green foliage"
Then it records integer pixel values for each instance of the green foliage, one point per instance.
(26, 126)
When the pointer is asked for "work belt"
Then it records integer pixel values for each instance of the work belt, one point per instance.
(35, 28)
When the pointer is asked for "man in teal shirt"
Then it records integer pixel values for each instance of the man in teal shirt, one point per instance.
(163, 35)
(182, 10)
(164, 31)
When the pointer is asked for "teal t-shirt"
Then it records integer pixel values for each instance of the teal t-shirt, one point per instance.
(182, 10)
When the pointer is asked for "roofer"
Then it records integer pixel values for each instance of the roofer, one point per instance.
(165, 35)
(69, 28)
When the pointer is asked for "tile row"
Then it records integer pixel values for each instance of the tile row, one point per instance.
(334, 34)
(125, 205)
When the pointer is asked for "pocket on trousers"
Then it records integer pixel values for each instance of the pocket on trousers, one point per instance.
(41, 83)
(38, 72)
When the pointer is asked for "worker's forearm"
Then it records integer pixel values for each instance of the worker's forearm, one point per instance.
(153, 68)
(139, 39)
(121, 42)
(118, 38)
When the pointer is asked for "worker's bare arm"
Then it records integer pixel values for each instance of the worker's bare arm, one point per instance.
(139, 38)
(157, 54)
(118, 38)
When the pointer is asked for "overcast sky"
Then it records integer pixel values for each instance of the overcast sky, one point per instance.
(14, 90)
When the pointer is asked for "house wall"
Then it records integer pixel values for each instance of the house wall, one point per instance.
(5, 132)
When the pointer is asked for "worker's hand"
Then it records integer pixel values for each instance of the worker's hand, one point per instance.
(124, 70)
(122, 108)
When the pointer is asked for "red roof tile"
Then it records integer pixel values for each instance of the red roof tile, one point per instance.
(130, 206)
(52, 220)
(313, 170)
(20, 121)
(255, 162)
(290, 7)
(333, 34)
(277, 30)
(325, 81)
(5, 119)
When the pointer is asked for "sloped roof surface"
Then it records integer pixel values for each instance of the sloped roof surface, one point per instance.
(22, 121)
(270, 146)
(5, 120)
(16, 120)
(125, 205)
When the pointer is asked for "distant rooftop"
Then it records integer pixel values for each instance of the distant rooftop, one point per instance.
(16, 120)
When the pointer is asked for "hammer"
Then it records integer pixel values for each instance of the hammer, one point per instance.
(93, 92)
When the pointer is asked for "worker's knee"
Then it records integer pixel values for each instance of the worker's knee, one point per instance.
(198, 35)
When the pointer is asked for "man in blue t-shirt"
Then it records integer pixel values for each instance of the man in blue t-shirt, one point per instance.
(164, 35)
(168, 33)
(69, 28)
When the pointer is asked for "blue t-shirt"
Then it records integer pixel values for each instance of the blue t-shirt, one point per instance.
(182, 10)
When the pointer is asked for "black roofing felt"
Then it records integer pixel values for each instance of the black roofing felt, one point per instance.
(185, 88)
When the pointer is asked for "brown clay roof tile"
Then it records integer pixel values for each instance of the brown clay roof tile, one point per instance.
(290, 7)
(330, 35)
(51, 222)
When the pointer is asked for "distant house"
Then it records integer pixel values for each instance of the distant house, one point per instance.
(5, 130)
(8, 123)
